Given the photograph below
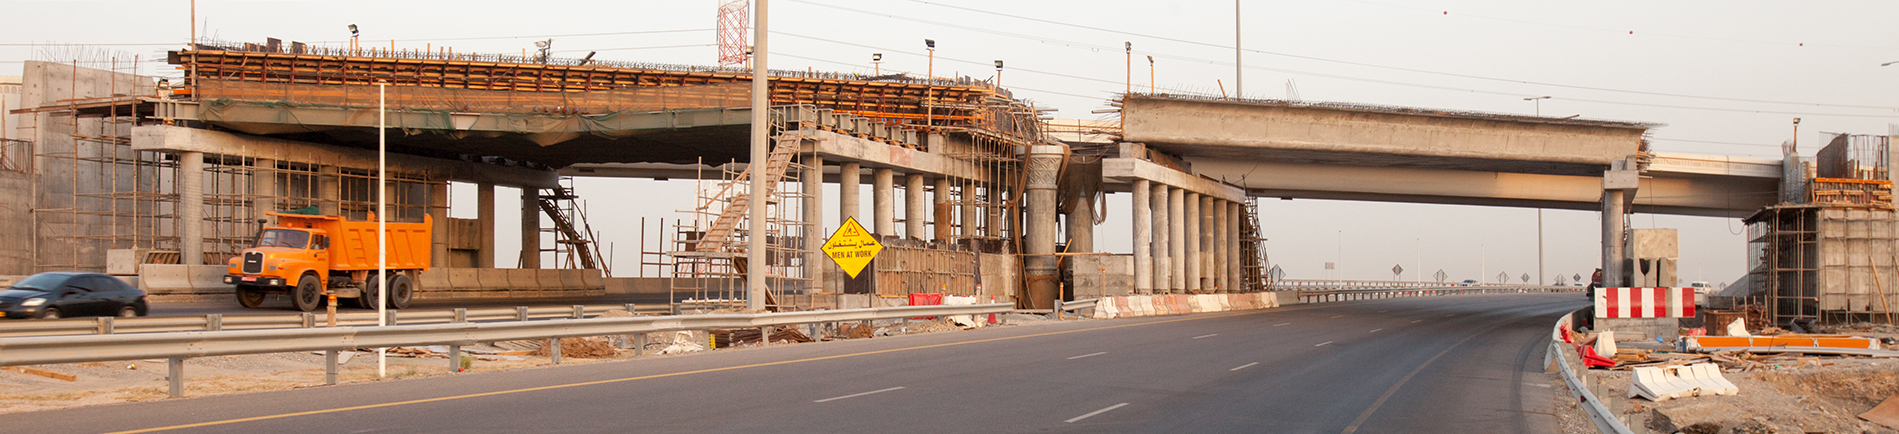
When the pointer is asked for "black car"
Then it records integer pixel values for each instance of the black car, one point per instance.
(65, 294)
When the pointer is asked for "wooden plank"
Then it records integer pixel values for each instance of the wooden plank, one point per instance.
(43, 373)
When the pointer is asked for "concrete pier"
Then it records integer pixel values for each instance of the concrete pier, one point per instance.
(1143, 237)
(883, 202)
(1162, 244)
(916, 214)
(1194, 264)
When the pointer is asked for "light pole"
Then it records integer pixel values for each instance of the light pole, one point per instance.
(998, 73)
(1130, 70)
(929, 91)
(1539, 103)
(1150, 74)
(1237, 71)
(382, 222)
(1339, 258)
(755, 285)
(877, 63)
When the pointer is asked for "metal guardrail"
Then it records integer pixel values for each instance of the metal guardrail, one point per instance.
(216, 322)
(1374, 294)
(1599, 413)
(99, 348)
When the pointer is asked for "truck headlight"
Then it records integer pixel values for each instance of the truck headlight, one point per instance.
(33, 302)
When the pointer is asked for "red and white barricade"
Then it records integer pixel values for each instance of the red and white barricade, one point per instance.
(1645, 303)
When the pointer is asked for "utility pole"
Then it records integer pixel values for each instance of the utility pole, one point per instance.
(1237, 74)
(761, 119)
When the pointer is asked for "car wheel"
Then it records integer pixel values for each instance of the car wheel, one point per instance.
(128, 311)
(50, 313)
(308, 294)
(401, 291)
(249, 297)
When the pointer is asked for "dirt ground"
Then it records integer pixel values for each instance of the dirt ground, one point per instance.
(145, 380)
(1789, 394)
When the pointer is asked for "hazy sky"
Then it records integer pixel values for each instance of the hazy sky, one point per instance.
(1725, 77)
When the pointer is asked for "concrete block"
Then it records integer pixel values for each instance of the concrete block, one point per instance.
(124, 262)
(1654, 243)
(491, 279)
(1621, 179)
(433, 280)
(463, 279)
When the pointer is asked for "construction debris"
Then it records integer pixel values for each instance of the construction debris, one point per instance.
(749, 336)
(1886, 413)
(586, 348)
(42, 373)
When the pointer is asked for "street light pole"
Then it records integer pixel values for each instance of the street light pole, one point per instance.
(1539, 103)
(755, 288)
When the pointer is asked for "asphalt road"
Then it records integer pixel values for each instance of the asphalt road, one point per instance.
(1462, 364)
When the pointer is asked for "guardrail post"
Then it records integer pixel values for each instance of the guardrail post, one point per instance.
(104, 325)
(764, 336)
(520, 313)
(392, 316)
(553, 350)
(309, 320)
(639, 344)
(455, 350)
(580, 311)
(176, 377)
(213, 322)
(629, 309)
(329, 367)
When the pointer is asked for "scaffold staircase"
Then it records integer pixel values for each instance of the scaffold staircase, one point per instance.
(574, 243)
(1254, 262)
(719, 237)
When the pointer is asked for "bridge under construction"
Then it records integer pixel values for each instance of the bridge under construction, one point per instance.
(130, 175)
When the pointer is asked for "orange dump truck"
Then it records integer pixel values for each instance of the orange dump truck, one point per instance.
(311, 256)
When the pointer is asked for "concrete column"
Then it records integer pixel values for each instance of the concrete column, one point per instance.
(438, 230)
(1219, 233)
(943, 214)
(1177, 239)
(1191, 229)
(1209, 226)
(1235, 214)
(1081, 226)
(995, 211)
(530, 227)
(329, 190)
(1163, 246)
(966, 227)
(883, 202)
(915, 211)
(849, 178)
(485, 219)
(1143, 235)
(1043, 164)
(1612, 239)
(191, 208)
(264, 189)
(814, 222)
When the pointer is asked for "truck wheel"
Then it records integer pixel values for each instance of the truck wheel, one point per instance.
(308, 294)
(249, 297)
(367, 299)
(401, 291)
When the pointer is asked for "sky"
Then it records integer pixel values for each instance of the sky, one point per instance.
(1721, 77)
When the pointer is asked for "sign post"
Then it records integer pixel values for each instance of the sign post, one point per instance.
(1396, 271)
(852, 247)
(1440, 275)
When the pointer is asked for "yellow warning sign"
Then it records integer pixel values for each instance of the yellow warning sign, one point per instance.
(852, 247)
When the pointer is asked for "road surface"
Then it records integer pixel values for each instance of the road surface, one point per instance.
(1459, 364)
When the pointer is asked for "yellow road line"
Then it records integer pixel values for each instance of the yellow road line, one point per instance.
(674, 374)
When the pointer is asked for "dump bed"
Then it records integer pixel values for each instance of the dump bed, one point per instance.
(353, 243)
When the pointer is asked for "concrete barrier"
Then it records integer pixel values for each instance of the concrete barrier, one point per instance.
(1174, 304)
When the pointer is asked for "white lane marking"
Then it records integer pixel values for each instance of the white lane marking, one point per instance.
(1249, 365)
(1338, 316)
(1087, 355)
(1545, 386)
(1206, 336)
(1321, 344)
(1374, 331)
(1280, 324)
(1091, 414)
(858, 394)
(1418, 321)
